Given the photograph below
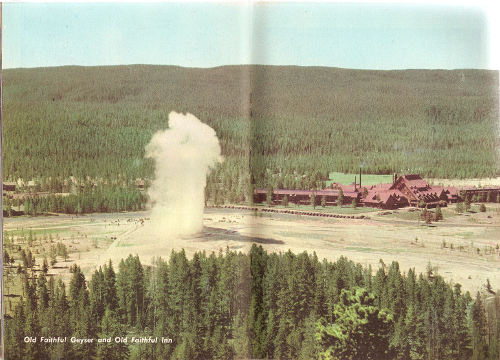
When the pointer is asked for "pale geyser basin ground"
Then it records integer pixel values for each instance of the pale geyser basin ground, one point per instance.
(94, 239)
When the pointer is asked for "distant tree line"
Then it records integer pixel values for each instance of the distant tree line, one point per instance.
(99, 199)
(260, 305)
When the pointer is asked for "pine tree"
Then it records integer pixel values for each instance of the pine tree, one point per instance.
(179, 284)
(97, 296)
(461, 335)
(61, 321)
(361, 330)
(15, 346)
(42, 294)
(269, 196)
(424, 214)
(428, 217)
(33, 350)
(467, 202)
(111, 299)
(110, 329)
(309, 346)
(438, 215)
(415, 334)
(284, 201)
(80, 315)
(45, 266)
(241, 337)
(257, 313)
(193, 308)
(478, 330)
(380, 288)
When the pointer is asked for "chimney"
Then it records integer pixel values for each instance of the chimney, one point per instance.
(360, 177)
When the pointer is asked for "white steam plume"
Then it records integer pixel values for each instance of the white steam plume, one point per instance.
(183, 154)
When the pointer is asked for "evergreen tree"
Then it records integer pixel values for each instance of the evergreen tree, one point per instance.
(257, 313)
(478, 329)
(60, 310)
(110, 329)
(15, 347)
(45, 266)
(284, 202)
(467, 203)
(461, 334)
(97, 296)
(42, 294)
(253, 306)
(313, 200)
(438, 214)
(424, 214)
(269, 196)
(340, 199)
(414, 335)
(361, 330)
(310, 348)
(80, 316)
(111, 299)
(241, 337)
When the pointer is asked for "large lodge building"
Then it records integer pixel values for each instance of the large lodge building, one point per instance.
(406, 190)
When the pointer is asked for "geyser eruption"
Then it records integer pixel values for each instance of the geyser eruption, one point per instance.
(183, 155)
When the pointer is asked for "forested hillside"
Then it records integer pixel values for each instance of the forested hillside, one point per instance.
(296, 123)
(260, 305)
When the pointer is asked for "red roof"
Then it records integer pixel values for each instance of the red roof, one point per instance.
(292, 192)
(414, 181)
(349, 188)
(438, 190)
(285, 192)
(384, 196)
(380, 187)
(326, 192)
(452, 190)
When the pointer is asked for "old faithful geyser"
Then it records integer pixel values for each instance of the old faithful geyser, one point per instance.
(183, 155)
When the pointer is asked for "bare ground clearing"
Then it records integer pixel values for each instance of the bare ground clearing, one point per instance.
(462, 247)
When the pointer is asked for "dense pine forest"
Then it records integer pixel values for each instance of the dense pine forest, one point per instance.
(91, 200)
(279, 126)
(256, 305)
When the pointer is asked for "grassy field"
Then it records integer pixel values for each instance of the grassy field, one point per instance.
(366, 179)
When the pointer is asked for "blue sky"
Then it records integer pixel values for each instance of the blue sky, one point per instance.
(363, 36)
